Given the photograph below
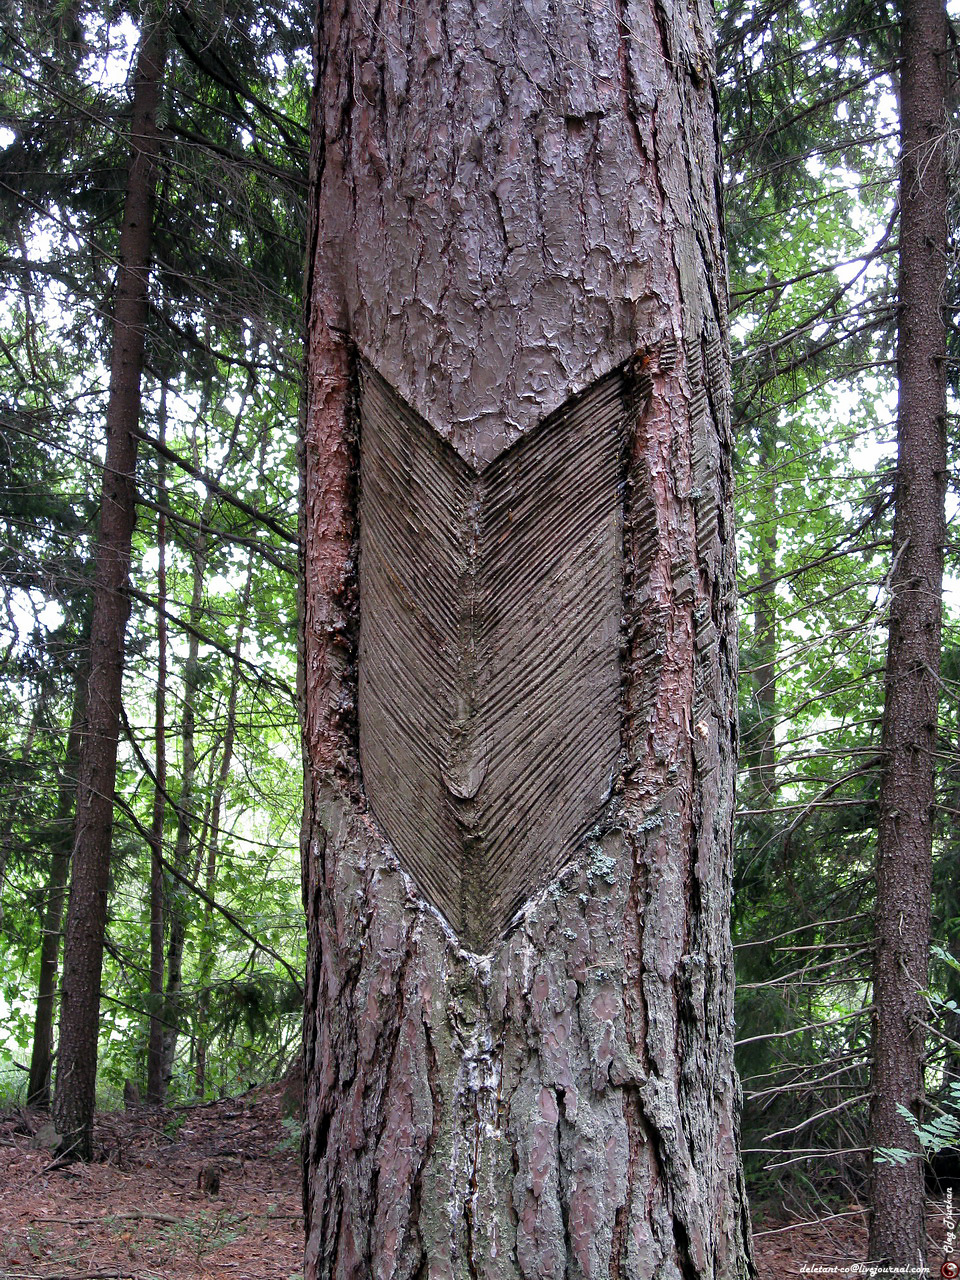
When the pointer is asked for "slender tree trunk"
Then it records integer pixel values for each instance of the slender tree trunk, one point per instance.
(909, 735)
(176, 940)
(155, 1080)
(765, 624)
(6, 829)
(951, 1021)
(41, 1056)
(207, 941)
(87, 910)
(518, 666)
(186, 817)
(207, 951)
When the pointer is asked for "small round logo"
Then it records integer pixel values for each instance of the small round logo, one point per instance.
(950, 1270)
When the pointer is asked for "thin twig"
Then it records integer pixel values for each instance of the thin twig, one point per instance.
(106, 1219)
(828, 1154)
(809, 1026)
(814, 1222)
(841, 1106)
(814, 924)
(801, 973)
(941, 1035)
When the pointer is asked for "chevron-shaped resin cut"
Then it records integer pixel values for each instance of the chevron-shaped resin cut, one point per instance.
(489, 676)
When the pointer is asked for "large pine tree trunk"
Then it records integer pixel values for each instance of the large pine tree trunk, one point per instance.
(519, 695)
(87, 910)
(909, 735)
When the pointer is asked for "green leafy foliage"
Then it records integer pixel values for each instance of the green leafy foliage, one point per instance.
(934, 1135)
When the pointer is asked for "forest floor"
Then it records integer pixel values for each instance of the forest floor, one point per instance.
(832, 1247)
(138, 1213)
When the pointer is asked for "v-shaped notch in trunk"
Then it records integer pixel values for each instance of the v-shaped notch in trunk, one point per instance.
(489, 672)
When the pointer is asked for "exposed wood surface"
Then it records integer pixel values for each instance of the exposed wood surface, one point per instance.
(489, 666)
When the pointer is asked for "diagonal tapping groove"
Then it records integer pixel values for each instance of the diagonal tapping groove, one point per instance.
(489, 672)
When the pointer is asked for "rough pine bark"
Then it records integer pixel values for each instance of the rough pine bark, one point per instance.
(909, 734)
(74, 1094)
(510, 203)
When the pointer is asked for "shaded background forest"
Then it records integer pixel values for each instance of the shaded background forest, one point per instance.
(209, 792)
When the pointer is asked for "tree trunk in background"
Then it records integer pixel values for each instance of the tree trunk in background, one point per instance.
(189, 830)
(207, 955)
(41, 1055)
(87, 911)
(765, 624)
(186, 817)
(909, 736)
(155, 1081)
(951, 1021)
(6, 828)
(518, 1050)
